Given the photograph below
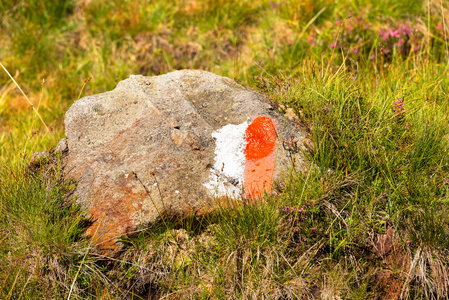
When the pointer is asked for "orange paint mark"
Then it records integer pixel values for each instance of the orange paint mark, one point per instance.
(260, 156)
(260, 138)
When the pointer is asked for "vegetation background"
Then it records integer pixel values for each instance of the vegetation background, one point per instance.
(368, 80)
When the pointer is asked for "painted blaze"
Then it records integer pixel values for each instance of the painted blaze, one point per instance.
(244, 158)
(260, 154)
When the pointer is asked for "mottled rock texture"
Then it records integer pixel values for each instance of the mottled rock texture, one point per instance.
(146, 147)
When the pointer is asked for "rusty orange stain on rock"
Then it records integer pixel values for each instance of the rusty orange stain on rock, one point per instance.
(112, 219)
(260, 154)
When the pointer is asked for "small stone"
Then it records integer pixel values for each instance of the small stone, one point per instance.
(62, 146)
(291, 115)
(37, 156)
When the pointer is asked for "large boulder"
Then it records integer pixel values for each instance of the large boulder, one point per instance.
(173, 143)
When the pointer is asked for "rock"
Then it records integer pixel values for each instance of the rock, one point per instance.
(38, 156)
(173, 143)
(62, 146)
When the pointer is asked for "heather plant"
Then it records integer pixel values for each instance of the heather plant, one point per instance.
(354, 39)
(360, 41)
(401, 39)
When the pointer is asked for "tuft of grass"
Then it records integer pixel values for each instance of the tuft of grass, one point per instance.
(40, 233)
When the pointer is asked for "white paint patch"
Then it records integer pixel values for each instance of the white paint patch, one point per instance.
(227, 174)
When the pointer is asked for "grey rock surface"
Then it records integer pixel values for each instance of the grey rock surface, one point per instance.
(146, 147)
(62, 146)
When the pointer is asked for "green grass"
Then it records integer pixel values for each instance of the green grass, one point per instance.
(375, 109)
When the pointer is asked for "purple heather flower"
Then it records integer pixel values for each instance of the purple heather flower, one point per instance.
(406, 30)
(393, 33)
(398, 106)
(311, 40)
(313, 228)
(372, 56)
(333, 45)
(280, 187)
(290, 219)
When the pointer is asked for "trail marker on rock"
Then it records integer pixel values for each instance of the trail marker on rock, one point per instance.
(172, 143)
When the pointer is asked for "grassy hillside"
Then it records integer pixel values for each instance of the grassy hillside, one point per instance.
(368, 80)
